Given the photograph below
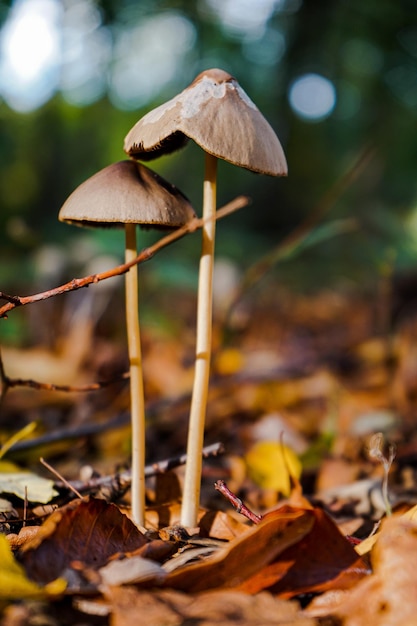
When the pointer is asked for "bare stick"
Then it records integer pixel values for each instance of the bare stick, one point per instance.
(256, 271)
(4, 380)
(236, 502)
(34, 384)
(144, 255)
(61, 478)
(121, 481)
(25, 506)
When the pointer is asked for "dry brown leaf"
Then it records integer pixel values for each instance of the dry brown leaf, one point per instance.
(163, 515)
(131, 570)
(336, 472)
(87, 531)
(156, 550)
(228, 608)
(246, 555)
(388, 597)
(220, 525)
(26, 534)
(214, 524)
(322, 559)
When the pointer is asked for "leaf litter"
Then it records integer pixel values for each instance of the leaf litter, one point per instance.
(329, 390)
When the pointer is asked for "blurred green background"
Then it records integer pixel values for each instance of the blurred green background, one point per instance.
(335, 78)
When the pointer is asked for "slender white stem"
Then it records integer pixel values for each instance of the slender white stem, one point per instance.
(193, 468)
(137, 402)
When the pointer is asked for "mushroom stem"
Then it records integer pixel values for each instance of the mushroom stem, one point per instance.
(193, 468)
(137, 402)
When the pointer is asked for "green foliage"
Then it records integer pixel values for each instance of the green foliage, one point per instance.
(367, 49)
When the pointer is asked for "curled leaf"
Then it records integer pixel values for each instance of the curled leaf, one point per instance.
(14, 583)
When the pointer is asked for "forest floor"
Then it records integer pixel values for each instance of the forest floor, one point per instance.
(314, 402)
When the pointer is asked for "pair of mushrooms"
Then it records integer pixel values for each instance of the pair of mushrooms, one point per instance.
(218, 115)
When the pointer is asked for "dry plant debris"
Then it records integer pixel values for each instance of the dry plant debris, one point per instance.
(306, 375)
(306, 395)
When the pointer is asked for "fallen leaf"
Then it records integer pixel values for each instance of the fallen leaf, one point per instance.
(271, 464)
(5, 506)
(411, 514)
(27, 485)
(228, 608)
(131, 570)
(87, 531)
(229, 361)
(21, 434)
(367, 544)
(14, 583)
(387, 597)
(17, 541)
(322, 559)
(156, 550)
(220, 525)
(248, 554)
(162, 515)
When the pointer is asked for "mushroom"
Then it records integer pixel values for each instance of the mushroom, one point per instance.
(125, 194)
(220, 117)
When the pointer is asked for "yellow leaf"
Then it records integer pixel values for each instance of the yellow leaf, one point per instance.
(367, 544)
(8, 466)
(26, 484)
(14, 584)
(21, 434)
(229, 361)
(270, 465)
(411, 514)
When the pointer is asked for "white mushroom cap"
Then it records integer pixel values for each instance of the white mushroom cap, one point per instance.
(220, 117)
(126, 193)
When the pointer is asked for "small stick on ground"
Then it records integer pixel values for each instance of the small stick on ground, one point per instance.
(236, 502)
(61, 478)
(116, 485)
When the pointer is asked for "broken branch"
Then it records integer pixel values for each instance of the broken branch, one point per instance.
(144, 255)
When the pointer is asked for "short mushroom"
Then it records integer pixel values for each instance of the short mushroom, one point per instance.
(220, 117)
(125, 194)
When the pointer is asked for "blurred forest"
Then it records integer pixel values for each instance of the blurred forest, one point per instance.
(336, 79)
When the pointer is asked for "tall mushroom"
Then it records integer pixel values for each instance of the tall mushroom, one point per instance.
(125, 194)
(219, 116)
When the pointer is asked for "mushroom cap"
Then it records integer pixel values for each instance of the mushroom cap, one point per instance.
(126, 193)
(220, 117)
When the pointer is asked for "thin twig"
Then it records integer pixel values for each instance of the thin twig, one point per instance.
(121, 481)
(34, 384)
(219, 384)
(61, 478)
(287, 371)
(236, 502)
(255, 272)
(144, 255)
(4, 381)
(25, 506)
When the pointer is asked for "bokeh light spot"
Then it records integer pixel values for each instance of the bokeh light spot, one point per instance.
(86, 54)
(148, 56)
(266, 50)
(30, 53)
(312, 97)
(246, 16)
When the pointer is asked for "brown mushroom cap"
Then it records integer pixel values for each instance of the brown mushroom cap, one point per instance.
(220, 117)
(126, 193)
